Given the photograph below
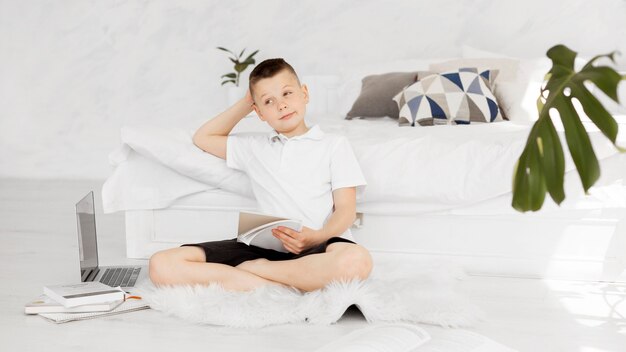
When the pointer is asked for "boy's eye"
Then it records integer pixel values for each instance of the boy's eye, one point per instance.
(268, 101)
(286, 93)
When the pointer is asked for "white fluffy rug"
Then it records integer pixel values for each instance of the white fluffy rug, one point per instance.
(395, 291)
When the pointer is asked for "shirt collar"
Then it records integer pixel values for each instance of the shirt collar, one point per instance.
(314, 133)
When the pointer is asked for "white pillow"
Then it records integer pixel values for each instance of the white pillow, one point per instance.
(517, 97)
(142, 183)
(508, 69)
(534, 69)
(174, 148)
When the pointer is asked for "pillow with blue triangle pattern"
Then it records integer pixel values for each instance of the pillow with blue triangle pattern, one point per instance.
(450, 98)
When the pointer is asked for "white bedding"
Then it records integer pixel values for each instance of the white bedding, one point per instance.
(421, 169)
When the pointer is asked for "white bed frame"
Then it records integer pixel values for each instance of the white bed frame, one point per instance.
(580, 245)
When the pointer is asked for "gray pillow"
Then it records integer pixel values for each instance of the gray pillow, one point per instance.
(377, 92)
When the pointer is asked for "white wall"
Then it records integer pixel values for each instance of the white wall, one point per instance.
(73, 72)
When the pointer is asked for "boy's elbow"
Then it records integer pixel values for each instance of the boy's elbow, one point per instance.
(195, 139)
(199, 139)
(201, 142)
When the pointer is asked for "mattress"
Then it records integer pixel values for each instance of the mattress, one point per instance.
(608, 193)
(408, 170)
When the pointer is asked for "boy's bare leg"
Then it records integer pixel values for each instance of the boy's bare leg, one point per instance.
(186, 265)
(341, 261)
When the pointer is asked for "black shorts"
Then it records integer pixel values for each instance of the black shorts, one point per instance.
(233, 253)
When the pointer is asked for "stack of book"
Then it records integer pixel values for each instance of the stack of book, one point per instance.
(85, 300)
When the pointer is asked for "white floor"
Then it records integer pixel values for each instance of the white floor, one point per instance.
(38, 246)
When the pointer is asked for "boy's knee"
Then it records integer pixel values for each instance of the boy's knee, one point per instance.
(165, 266)
(158, 267)
(355, 262)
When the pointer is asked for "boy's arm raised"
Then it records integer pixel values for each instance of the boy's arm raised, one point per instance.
(211, 136)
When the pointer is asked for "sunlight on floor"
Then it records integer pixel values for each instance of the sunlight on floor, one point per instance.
(590, 249)
(592, 304)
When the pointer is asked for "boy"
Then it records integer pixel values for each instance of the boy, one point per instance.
(296, 172)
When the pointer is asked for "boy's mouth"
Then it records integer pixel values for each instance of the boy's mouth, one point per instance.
(287, 116)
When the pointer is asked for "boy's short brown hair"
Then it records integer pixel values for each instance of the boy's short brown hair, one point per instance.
(269, 68)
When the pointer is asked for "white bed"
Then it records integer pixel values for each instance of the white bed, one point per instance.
(441, 191)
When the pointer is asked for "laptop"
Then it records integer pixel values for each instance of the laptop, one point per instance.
(124, 276)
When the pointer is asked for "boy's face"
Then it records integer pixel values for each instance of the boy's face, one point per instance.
(281, 102)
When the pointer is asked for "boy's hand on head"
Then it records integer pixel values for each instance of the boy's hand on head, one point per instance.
(248, 98)
(294, 241)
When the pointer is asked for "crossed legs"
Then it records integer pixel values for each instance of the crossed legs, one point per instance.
(187, 265)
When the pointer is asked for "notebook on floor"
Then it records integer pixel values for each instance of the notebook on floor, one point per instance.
(90, 270)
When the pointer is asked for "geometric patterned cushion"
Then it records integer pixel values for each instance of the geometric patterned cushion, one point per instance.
(450, 98)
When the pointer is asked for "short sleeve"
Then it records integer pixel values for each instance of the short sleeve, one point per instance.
(238, 151)
(344, 167)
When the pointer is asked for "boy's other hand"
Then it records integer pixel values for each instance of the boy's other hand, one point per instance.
(248, 98)
(296, 242)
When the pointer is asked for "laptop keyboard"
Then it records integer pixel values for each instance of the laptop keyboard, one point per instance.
(124, 277)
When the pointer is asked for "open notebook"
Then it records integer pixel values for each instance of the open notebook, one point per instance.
(255, 229)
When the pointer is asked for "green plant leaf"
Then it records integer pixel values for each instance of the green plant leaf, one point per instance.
(240, 67)
(541, 166)
(226, 50)
(552, 159)
(529, 190)
(250, 56)
(597, 113)
(579, 143)
(604, 77)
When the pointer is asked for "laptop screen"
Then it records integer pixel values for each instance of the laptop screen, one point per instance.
(87, 243)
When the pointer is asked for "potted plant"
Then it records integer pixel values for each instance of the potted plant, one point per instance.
(541, 166)
(236, 92)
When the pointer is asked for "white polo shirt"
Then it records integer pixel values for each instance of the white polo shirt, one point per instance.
(294, 177)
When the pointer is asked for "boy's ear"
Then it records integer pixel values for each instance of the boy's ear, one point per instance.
(258, 112)
(305, 90)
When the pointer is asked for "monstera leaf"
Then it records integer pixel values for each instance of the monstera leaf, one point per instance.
(541, 167)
